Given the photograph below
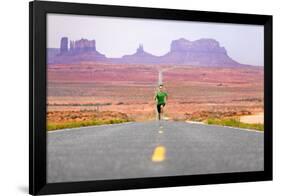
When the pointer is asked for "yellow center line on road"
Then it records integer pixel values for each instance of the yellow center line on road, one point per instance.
(159, 154)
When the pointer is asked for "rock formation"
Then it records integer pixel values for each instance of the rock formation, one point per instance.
(82, 45)
(139, 57)
(80, 50)
(202, 52)
(64, 45)
(207, 52)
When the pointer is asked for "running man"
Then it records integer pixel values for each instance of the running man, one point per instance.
(161, 98)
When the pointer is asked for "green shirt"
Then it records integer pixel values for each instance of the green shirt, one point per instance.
(160, 96)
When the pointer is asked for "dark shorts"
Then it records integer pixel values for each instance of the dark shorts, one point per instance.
(159, 107)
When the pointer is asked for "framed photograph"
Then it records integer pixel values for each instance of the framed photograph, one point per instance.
(133, 97)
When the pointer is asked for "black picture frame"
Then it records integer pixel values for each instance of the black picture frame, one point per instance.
(37, 97)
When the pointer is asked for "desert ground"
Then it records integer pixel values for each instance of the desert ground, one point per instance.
(194, 93)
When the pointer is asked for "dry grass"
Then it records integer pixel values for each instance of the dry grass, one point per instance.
(235, 122)
(71, 119)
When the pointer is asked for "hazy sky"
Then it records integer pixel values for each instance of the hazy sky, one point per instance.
(116, 37)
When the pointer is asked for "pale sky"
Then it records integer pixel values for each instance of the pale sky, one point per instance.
(116, 36)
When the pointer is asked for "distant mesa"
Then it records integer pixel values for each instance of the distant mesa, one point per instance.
(206, 52)
(75, 51)
(64, 45)
(79, 46)
(82, 45)
(202, 52)
(201, 45)
(140, 57)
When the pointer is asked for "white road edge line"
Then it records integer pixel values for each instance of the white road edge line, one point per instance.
(87, 127)
(194, 122)
(237, 128)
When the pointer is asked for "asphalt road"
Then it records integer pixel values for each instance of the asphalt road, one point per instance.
(149, 149)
